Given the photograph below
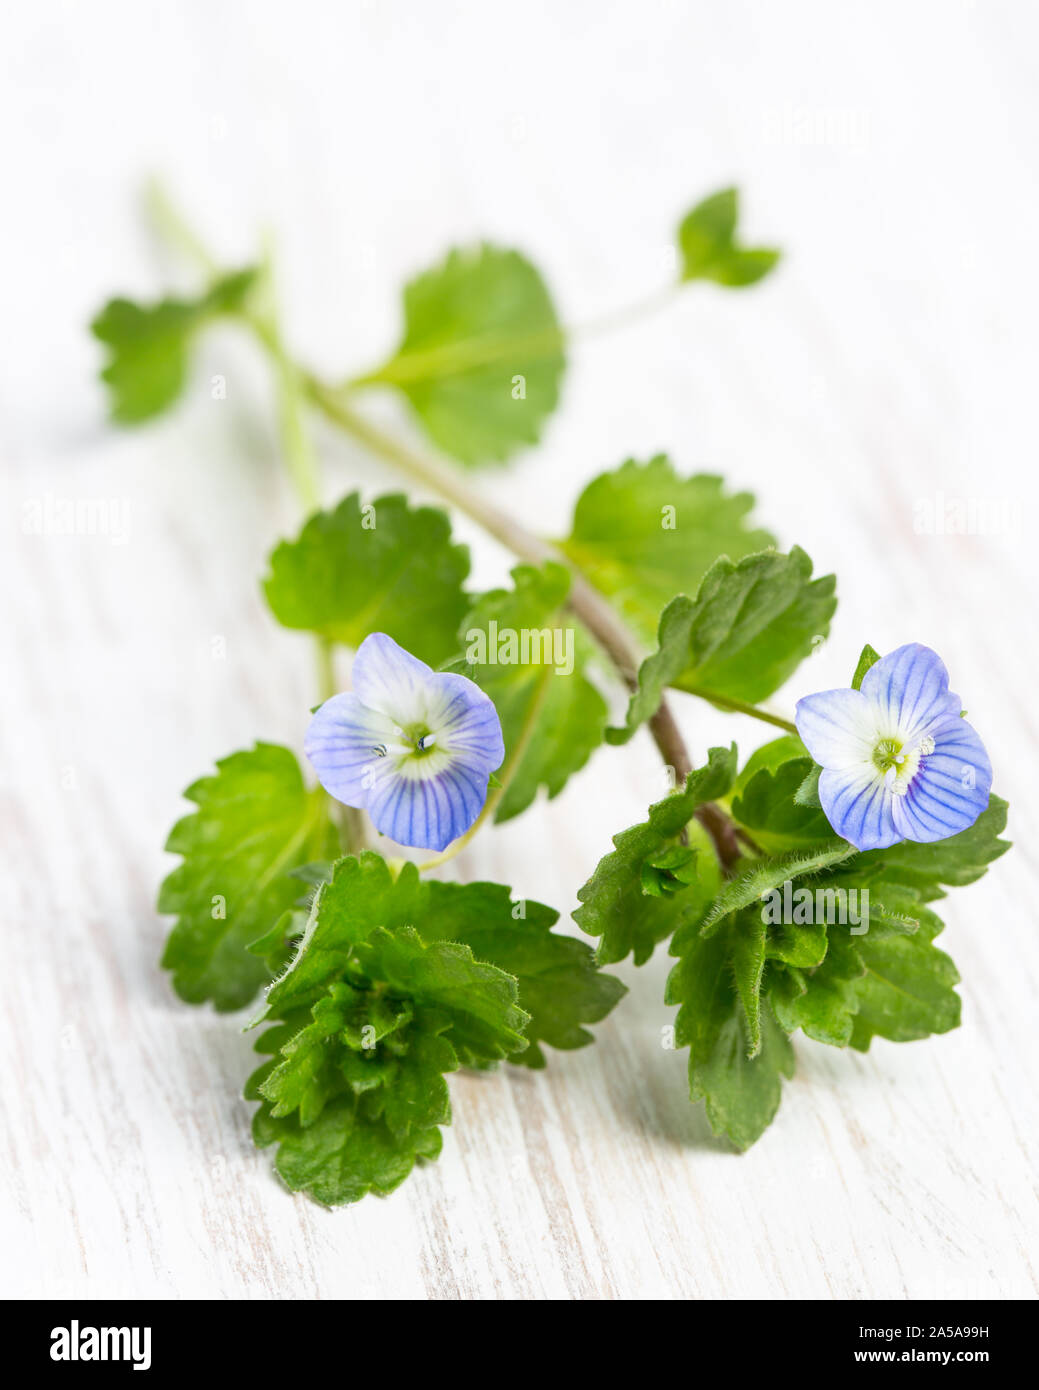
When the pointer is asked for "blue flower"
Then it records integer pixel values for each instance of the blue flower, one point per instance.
(899, 761)
(411, 746)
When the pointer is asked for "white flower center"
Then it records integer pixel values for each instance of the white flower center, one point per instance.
(899, 761)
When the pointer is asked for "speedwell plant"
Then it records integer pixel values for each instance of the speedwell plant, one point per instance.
(374, 978)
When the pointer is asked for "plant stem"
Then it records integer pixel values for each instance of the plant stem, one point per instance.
(169, 224)
(302, 465)
(298, 450)
(734, 706)
(508, 772)
(585, 602)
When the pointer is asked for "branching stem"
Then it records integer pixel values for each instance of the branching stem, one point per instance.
(584, 601)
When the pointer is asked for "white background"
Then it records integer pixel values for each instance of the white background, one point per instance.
(890, 148)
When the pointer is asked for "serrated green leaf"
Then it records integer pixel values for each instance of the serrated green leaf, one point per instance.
(800, 944)
(255, 822)
(807, 793)
(479, 1000)
(343, 1155)
(560, 986)
(414, 1095)
(384, 998)
(907, 991)
(615, 906)
(382, 567)
(558, 982)
(481, 359)
(305, 1078)
(641, 534)
(822, 1002)
(748, 629)
(742, 1090)
(149, 345)
(360, 929)
(707, 239)
(708, 971)
(551, 712)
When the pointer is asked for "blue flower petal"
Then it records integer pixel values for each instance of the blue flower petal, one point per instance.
(909, 689)
(837, 727)
(466, 722)
(412, 746)
(341, 744)
(387, 678)
(427, 812)
(858, 804)
(951, 787)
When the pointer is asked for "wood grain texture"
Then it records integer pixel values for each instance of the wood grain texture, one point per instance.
(893, 361)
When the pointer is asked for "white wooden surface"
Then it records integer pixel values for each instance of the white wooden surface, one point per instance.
(891, 149)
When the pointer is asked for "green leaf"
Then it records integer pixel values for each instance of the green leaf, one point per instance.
(303, 1078)
(747, 957)
(552, 716)
(768, 806)
(764, 875)
(458, 926)
(737, 1050)
(743, 1091)
(360, 928)
(383, 567)
(480, 1001)
(255, 823)
(641, 534)
(907, 991)
(800, 944)
(343, 1155)
(615, 903)
(560, 985)
(770, 756)
(807, 793)
(354, 1089)
(482, 355)
(822, 1002)
(384, 998)
(149, 345)
(748, 629)
(707, 239)
(868, 658)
